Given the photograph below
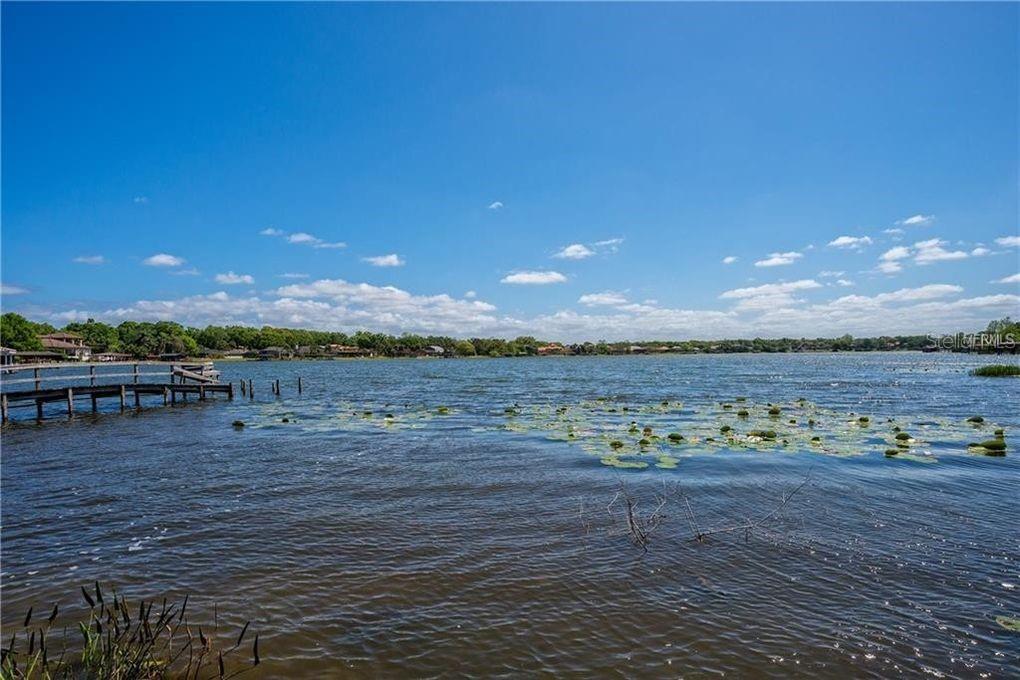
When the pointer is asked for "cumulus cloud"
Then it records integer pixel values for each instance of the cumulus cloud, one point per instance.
(980, 251)
(534, 277)
(232, 279)
(894, 232)
(8, 289)
(844, 282)
(90, 259)
(335, 304)
(470, 294)
(827, 274)
(1009, 241)
(302, 238)
(293, 275)
(391, 260)
(1012, 278)
(729, 259)
(851, 242)
(933, 250)
(769, 295)
(608, 298)
(779, 259)
(496, 205)
(575, 251)
(916, 221)
(163, 260)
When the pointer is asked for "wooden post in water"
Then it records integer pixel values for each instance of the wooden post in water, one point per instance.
(201, 392)
(92, 380)
(70, 402)
(173, 396)
(166, 395)
(251, 389)
(35, 372)
(94, 409)
(38, 409)
(123, 397)
(136, 377)
(3, 407)
(230, 391)
(138, 399)
(243, 393)
(299, 384)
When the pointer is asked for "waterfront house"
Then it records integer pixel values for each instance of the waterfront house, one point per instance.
(71, 345)
(7, 356)
(112, 356)
(348, 351)
(434, 351)
(274, 353)
(553, 348)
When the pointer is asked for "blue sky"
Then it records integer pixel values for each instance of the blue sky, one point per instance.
(570, 171)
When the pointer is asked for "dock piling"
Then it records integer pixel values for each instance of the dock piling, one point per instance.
(70, 402)
(123, 396)
(3, 407)
(299, 385)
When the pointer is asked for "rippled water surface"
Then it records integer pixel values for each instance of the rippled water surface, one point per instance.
(481, 528)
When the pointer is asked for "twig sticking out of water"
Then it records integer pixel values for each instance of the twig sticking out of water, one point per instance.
(700, 535)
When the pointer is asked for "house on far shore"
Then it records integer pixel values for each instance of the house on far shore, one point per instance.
(274, 353)
(112, 356)
(7, 356)
(434, 351)
(347, 351)
(552, 349)
(637, 349)
(71, 345)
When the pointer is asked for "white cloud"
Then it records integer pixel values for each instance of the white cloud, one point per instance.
(980, 251)
(7, 289)
(270, 231)
(163, 260)
(890, 267)
(827, 274)
(916, 221)
(608, 298)
(575, 251)
(391, 260)
(90, 259)
(897, 253)
(729, 259)
(769, 295)
(305, 239)
(496, 205)
(534, 277)
(933, 250)
(191, 271)
(232, 279)
(844, 282)
(852, 242)
(334, 304)
(893, 232)
(611, 243)
(779, 259)
(293, 275)
(1012, 278)
(471, 295)
(1008, 241)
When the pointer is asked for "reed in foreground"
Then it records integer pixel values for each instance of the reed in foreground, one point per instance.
(118, 641)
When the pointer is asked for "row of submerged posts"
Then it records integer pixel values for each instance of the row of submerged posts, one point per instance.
(35, 385)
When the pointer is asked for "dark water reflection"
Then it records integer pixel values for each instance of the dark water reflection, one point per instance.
(449, 550)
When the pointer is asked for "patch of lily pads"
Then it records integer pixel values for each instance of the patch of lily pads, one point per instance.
(660, 434)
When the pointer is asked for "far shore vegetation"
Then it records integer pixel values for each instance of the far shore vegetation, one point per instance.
(135, 339)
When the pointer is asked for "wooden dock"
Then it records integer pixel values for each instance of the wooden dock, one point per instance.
(172, 381)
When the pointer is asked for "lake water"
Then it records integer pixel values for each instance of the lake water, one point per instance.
(481, 528)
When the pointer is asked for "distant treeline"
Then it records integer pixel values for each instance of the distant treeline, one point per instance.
(142, 339)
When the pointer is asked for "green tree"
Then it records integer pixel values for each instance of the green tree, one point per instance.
(99, 336)
(19, 333)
